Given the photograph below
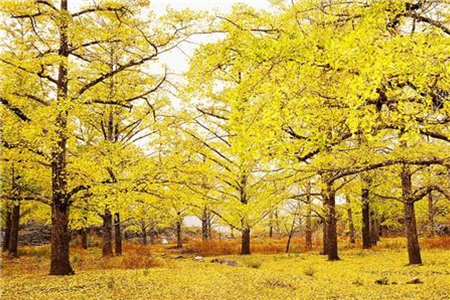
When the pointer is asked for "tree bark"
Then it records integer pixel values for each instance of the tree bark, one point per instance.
(7, 229)
(291, 233)
(14, 234)
(245, 242)
(350, 220)
(107, 234)
(117, 234)
(308, 222)
(366, 244)
(308, 228)
(332, 250)
(410, 218)
(271, 225)
(210, 223)
(84, 238)
(205, 225)
(152, 235)
(60, 263)
(179, 241)
(144, 233)
(373, 229)
(431, 212)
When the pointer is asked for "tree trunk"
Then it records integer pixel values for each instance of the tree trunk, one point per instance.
(7, 230)
(107, 234)
(179, 241)
(331, 222)
(308, 222)
(117, 234)
(209, 222)
(288, 244)
(205, 225)
(350, 221)
(245, 243)
(277, 223)
(373, 229)
(245, 238)
(308, 231)
(431, 211)
(60, 263)
(14, 234)
(410, 218)
(144, 233)
(271, 225)
(365, 218)
(84, 238)
(291, 233)
(152, 235)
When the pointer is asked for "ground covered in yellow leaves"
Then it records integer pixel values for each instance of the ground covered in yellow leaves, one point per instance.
(278, 276)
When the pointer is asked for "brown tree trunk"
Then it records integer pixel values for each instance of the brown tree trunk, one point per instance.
(14, 234)
(271, 225)
(209, 222)
(410, 218)
(60, 263)
(366, 244)
(144, 233)
(373, 229)
(117, 234)
(205, 225)
(107, 249)
(308, 222)
(245, 238)
(331, 222)
(84, 238)
(431, 211)
(245, 242)
(308, 227)
(291, 233)
(179, 241)
(152, 235)
(7, 229)
(350, 221)
(288, 244)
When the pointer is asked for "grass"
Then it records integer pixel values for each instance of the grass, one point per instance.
(143, 273)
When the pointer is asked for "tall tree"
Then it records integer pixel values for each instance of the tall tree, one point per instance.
(69, 79)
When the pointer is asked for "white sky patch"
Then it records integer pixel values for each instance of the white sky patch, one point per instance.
(178, 60)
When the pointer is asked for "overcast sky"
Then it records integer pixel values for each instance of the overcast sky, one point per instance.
(177, 60)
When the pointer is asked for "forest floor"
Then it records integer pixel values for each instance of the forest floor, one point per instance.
(156, 273)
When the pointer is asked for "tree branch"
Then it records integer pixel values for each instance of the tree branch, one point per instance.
(17, 111)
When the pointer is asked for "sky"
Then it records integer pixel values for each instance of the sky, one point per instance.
(177, 60)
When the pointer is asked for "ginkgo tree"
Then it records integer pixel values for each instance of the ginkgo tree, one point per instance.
(57, 47)
(337, 85)
(328, 96)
